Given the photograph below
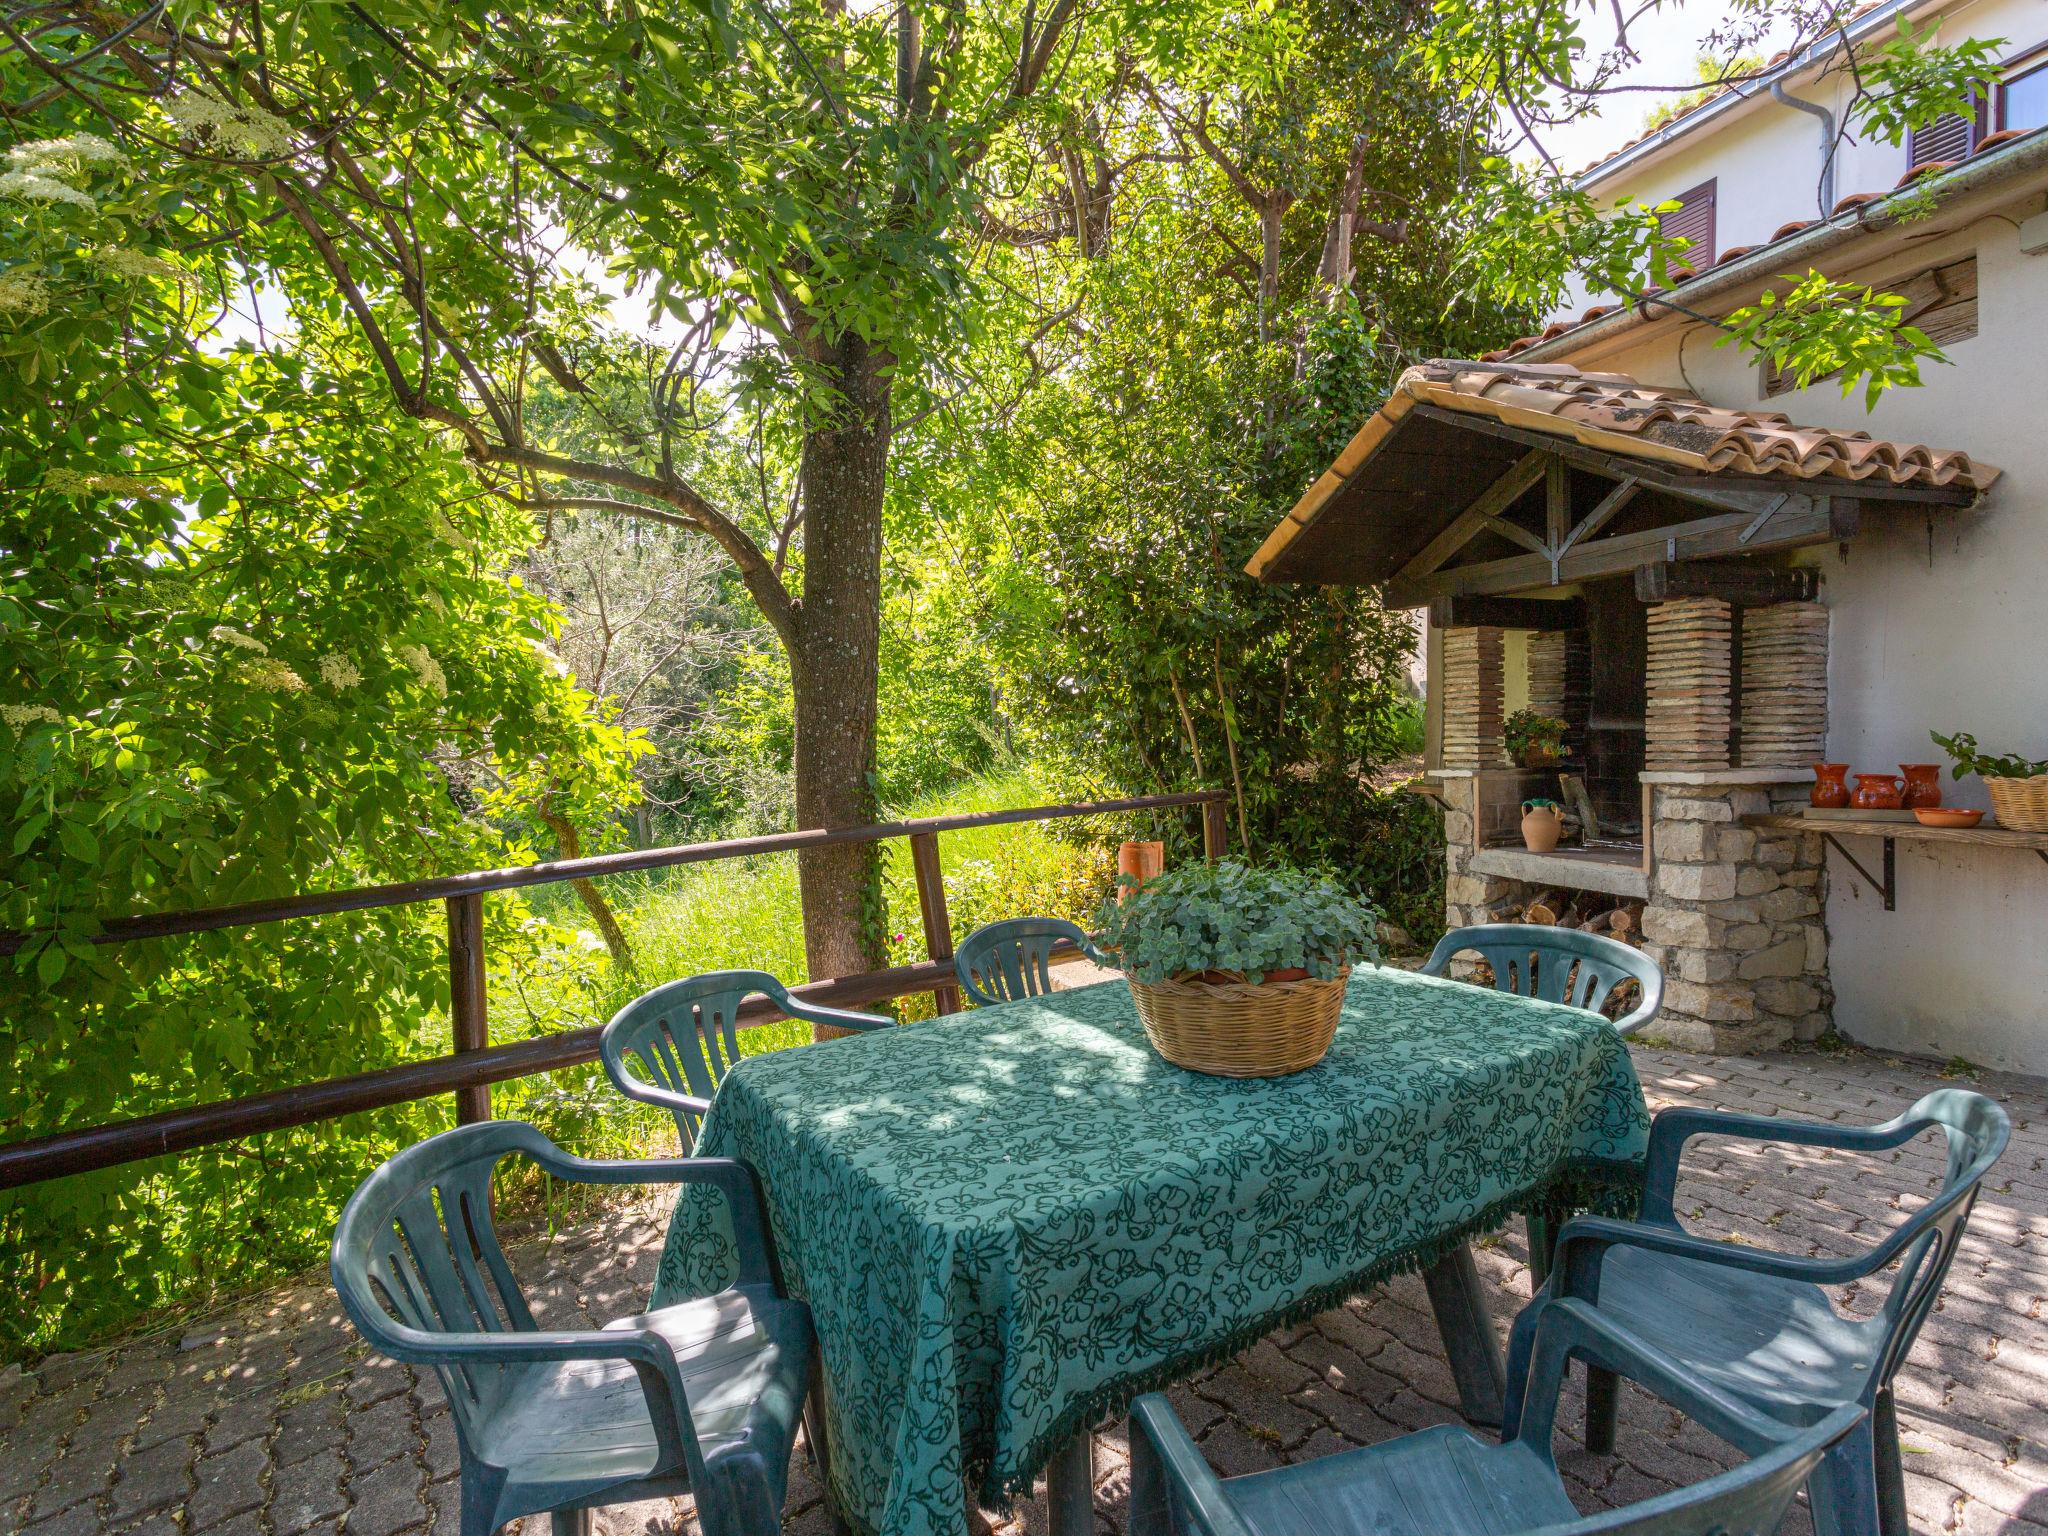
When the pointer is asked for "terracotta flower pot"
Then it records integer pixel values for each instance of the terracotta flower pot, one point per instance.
(1830, 785)
(1541, 828)
(1923, 785)
(1877, 792)
(1141, 861)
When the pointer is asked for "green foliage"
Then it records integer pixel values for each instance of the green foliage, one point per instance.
(1230, 916)
(1526, 730)
(1911, 80)
(1716, 74)
(1822, 327)
(1962, 746)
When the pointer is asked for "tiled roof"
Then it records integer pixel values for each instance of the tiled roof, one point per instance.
(1610, 413)
(1614, 412)
(1680, 276)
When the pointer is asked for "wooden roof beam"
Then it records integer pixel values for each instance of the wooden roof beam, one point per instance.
(1489, 504)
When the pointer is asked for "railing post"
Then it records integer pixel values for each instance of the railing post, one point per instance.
(931, 906)
(1215, 830)
(466, 997)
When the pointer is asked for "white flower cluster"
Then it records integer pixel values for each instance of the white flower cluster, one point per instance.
(250, 129)
(23, 292)
(43, 170)
(274, 675)
(338, 672)
(21, 715)
(230, 636)
(138, 264)
(426, 669)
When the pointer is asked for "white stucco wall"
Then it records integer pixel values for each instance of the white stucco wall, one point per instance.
(1766, 158)
(1941, 630)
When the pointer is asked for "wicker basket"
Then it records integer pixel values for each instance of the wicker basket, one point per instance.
(1234, 1029)
(2021, 804)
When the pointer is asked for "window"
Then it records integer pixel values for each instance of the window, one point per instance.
(2023, 98)
(1693, 219)
(1948, 137)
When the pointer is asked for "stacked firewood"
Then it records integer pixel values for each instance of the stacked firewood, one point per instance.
(1585, 910)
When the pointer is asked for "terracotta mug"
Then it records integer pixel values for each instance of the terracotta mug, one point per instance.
(1878, 792)
(1923, 785)
(1830, 785)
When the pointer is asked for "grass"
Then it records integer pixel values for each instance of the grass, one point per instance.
(746, 914)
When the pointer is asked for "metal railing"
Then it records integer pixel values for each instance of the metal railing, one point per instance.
(475, 1063)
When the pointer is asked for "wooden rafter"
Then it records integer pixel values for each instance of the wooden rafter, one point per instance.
(1491, 502)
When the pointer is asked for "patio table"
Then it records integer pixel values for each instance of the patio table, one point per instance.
(1009, 1222)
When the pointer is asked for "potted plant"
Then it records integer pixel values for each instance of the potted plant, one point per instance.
(1542, 824)
(1237, 970)
(2018, 787)
(1534, 740)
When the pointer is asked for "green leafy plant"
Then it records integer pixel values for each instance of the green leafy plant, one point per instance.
(1539, 803)
(1962, 746)
(1528, 732)
(1229, 916)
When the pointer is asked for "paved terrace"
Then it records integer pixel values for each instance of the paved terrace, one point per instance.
(268, 1420)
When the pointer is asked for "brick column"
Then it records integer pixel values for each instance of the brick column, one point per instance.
(1784, 684)
(1475, 693)
(1686, 724)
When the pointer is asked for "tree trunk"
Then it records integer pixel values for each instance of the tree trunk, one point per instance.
(835, 665)
(593, 899)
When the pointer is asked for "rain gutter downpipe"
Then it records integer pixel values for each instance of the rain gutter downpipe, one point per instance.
(1785, 98)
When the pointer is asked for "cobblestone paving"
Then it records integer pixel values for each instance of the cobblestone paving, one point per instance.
(269, 1420)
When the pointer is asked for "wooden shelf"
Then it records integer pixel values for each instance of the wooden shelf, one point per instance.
(1904, 831)
(1895, 832)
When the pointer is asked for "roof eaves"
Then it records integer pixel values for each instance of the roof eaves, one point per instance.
(2004, 154)
(1727, 100)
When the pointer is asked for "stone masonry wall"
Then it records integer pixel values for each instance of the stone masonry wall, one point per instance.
(1735, 920)
(1734, 916)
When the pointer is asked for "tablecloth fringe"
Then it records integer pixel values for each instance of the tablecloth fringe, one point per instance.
(1600, 1186)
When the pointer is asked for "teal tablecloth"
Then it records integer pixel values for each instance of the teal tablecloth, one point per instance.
(1009, 1222)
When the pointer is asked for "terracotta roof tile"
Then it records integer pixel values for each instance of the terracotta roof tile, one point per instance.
(1998, 140)
(1928, 168)
(1783, 231)
(1675, 427)
(1854, 200)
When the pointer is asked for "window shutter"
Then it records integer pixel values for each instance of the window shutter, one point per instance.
(1693, 219)
(1949, 137)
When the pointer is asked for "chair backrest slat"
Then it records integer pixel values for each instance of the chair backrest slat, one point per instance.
(1001, 962)
(416, 1246)
(685, 1037)
(1557, 965)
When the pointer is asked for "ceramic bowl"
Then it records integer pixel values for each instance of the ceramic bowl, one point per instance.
(1947, 816)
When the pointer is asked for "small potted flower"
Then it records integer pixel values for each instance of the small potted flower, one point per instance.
(1534, 740)
(1542, 824)
(2018, 786)
(1239, 971)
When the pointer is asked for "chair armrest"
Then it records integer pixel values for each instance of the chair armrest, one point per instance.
(665, 1098)
(1183, 1469)
(668, 1405)
(752, 1235)
(1671, 1129)
(1584, 1240)
(844, 1018)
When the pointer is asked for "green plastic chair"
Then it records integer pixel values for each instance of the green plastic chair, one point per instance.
(1756, 1326)
(1557, 965)
(1001, 962)
(684, 1035)
(1449, 1482)
(704, 1396)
